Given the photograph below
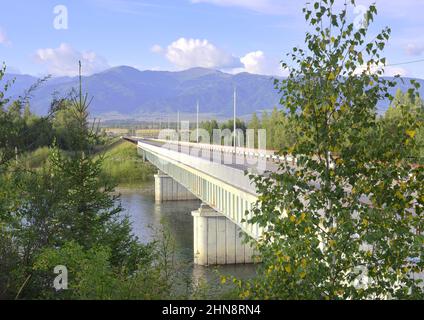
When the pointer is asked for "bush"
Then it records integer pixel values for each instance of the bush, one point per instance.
(123, 165)
(36, 159)
(92, 276)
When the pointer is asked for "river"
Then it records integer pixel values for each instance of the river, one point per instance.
(147, 217)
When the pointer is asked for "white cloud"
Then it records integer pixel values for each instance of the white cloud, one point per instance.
(262, 6)
(188, 53)
(4, 40)
(414, 49)
(257, 62)
(63, 61)
(392, 71)
(389, 71)
(156, 49)
(254, 61)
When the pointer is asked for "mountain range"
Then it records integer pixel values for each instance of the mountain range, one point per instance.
(127, 93)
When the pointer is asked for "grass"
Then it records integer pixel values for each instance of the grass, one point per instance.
(121, 163)
(35, 159)
(124, 166)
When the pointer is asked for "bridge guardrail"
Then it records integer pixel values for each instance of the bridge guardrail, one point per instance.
(268, 154)
(229, 175)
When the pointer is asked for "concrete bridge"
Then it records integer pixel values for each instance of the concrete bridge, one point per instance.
(193, 171)
(227, 195)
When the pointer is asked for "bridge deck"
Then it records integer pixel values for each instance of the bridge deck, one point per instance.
(237, 161)
(224, 187)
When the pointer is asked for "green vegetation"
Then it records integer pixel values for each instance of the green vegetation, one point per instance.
(121, 163)
(212, 125)
(63, 212)
(347, 222)
(284, 131)
(35, 159)
(280, 130)
(209, 126)
(125, 167)
(403, 107)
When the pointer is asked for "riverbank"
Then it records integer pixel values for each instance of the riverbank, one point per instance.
(124, 166)
(121, 164)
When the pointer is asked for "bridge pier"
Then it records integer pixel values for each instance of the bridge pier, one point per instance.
(167, 189)
(217, 239)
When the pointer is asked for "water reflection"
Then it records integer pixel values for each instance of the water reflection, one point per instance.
(147, 216)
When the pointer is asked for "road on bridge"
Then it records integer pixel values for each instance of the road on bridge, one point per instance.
(237, 161)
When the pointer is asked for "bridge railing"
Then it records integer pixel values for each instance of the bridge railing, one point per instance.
(229, 175)
(225, 189)
(250, 152)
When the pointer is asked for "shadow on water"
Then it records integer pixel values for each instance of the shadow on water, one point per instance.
(147, 216)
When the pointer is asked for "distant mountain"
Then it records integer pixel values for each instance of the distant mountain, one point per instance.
(125, 92)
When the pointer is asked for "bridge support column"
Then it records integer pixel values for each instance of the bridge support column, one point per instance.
(167, 189)
(217, 239)
(142, 154)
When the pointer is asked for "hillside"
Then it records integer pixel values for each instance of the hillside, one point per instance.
(125, 92)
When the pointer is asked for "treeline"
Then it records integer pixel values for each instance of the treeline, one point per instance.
(32, 131)
(283, 132)
(212, 125)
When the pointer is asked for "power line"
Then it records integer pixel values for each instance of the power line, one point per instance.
(407, 62)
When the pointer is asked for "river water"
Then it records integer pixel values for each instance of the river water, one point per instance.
(147, 217)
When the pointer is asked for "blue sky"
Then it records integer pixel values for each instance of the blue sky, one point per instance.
(230, 35)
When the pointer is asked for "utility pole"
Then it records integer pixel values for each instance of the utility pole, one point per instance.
(197, 127)
(235, 123)
(178, 125)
